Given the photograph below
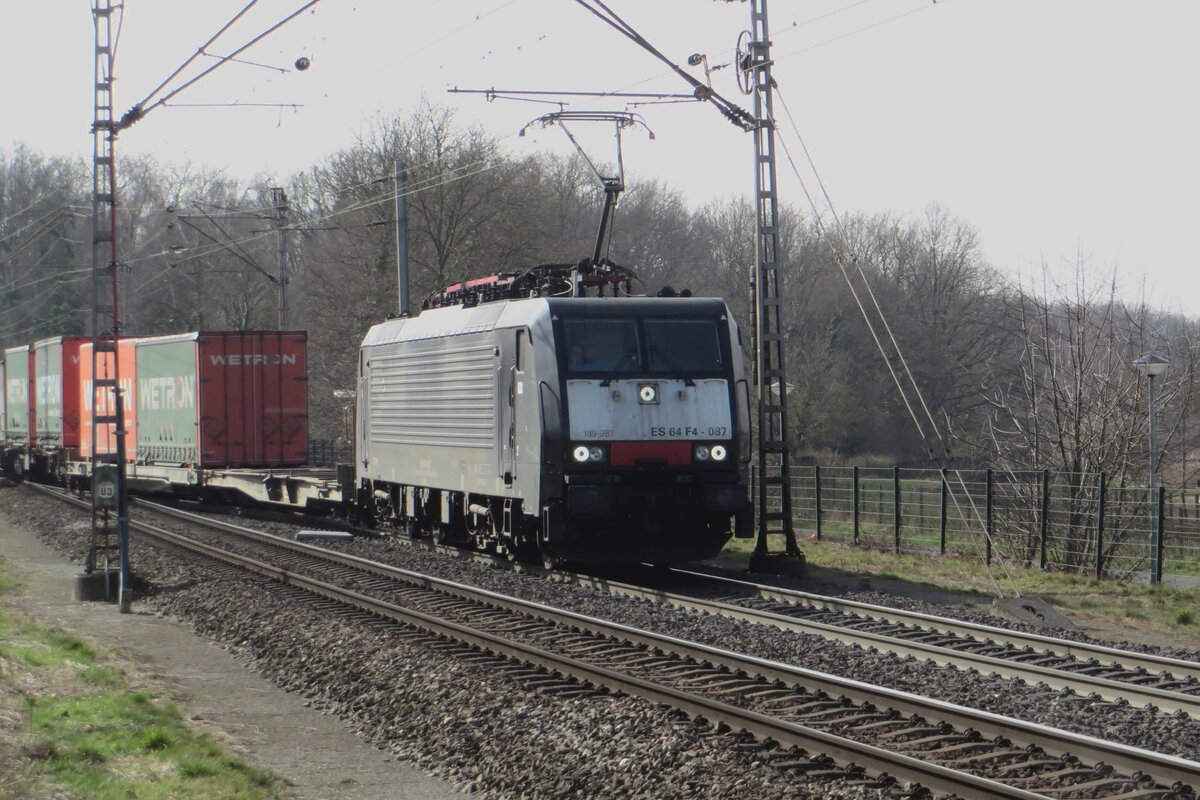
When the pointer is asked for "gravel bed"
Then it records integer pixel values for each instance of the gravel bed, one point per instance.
(481, 731)
(1177, 735)
(964, 612)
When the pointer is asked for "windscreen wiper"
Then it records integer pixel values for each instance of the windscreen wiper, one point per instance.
(627, 358)
(670, 363)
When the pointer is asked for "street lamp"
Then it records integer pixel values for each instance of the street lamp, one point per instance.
(1152, 365)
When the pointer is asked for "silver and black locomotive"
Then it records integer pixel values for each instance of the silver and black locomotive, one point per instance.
(560, 428)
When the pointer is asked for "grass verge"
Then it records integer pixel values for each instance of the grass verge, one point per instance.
(1169, 611)
(72, 723)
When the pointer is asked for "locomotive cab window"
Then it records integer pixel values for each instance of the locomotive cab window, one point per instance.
(684, 345)
(602, 345)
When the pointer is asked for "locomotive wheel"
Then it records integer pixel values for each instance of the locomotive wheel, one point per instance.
(549, 560)
(447, 533)
(410, 528)
(522, 548)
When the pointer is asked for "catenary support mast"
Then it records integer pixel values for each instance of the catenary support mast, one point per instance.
(774, 483)
(108, 468)
(280, 202)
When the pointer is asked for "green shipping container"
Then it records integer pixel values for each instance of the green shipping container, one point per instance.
(167, 400)
(16, 395)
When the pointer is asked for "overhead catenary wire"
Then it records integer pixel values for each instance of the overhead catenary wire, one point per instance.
(233, 105)
(731, 111)
(144, 107)
(927, 5)
(42, 323)
(840, 261)
(428, 183)
(796, 26)
(413, 188)
(63, 280)
(53, 216)
(387, 197)
(233, 247)
(870, 292)
(477, 19)
(37, 202)
(199, 52)
(116, 47)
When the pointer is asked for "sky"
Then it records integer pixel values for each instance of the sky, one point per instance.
(1065, 132)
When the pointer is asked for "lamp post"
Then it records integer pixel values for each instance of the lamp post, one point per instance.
(1152, 365)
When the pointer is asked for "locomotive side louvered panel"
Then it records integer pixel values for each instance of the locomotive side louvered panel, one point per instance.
(434, 392)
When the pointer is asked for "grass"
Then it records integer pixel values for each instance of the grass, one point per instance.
(1165, 609)
(80, 728)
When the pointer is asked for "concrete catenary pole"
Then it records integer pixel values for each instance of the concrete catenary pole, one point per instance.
(279, 200)
(402, 238)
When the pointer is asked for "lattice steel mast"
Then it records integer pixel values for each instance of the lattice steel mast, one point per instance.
(774, 475)
(108, 468)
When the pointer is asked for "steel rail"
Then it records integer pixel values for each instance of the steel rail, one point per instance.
(1165, 700)
(873, 759)
(1112, 657)
(1063, 647)
(1165, 769)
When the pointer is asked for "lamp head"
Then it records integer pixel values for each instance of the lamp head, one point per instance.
(1152, 365)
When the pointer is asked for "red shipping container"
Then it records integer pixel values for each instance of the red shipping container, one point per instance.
(223, 399)
(106, 434)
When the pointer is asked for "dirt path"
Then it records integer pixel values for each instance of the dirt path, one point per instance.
(317, 756)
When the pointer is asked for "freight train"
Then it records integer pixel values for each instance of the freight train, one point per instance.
(560, 428)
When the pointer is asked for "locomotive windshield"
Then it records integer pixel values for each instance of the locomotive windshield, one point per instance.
(602, 345)
(623, 346)
(688, 345)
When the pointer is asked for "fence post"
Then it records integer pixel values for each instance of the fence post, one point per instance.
(1162, 534)
(854, 503)
(896, 505)
(945, 492)
(817, 496)
(988, 527)
(1100, 526)
(1045, 515)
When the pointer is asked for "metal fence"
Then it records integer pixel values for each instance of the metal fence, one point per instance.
(1082, 522)
(329, 452)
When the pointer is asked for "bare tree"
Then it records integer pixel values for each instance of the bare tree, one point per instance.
(1074, 403)
(44, 255)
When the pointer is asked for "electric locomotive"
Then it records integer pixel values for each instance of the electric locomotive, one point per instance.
(565, 428)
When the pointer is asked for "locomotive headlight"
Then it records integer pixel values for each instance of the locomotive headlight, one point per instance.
(718, 452)
(648, 393)
(702, 452)
(581, 454)
(596, 454)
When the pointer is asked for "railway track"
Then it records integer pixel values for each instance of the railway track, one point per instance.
(1114, 675)
(1169, 685)
(946, 748)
